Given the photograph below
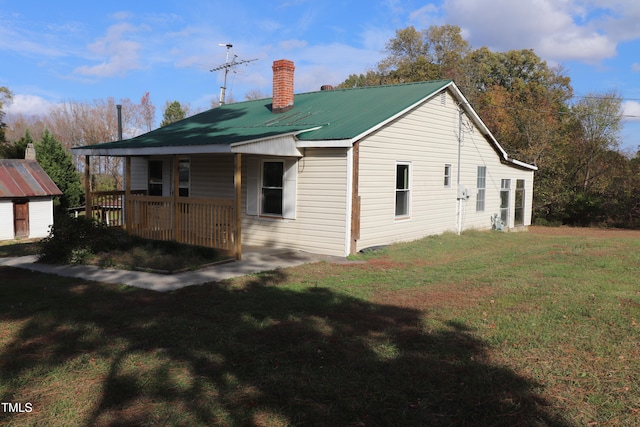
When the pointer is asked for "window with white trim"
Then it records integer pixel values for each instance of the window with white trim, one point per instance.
(505, 193)
(272, 187)
(447, 175)
(271, 194)
(403, 190)
(482, 188)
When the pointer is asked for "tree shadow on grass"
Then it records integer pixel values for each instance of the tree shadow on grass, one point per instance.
(251, 355)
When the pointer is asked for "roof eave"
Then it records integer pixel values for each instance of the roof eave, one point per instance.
(485, 130)
(153, 151)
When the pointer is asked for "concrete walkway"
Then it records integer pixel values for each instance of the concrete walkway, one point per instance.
(254, 260)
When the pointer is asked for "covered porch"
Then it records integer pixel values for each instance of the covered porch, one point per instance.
(209, 222)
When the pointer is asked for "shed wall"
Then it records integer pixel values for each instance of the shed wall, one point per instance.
(40, 217)
(6, 220)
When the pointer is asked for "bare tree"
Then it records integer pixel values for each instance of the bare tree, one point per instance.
(147, 113)
(600, 120)
(76, 123)
(18, 123)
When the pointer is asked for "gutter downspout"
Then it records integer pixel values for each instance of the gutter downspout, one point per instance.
(459, 195)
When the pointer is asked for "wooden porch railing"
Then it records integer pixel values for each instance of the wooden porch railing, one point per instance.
(202, 222)
(106, 206)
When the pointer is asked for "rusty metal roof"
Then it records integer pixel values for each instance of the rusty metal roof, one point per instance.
(25, 178)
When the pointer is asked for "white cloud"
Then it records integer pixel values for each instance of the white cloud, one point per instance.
(636, 66)
(121, 55)
(28, 43)
(621, 19)
(29, 105)
(425, 16)
(556, 30)
(631, 111)
(292, 44)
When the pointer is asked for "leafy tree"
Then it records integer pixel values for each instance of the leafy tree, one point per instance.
(434, 53)
(58, 163)
(5, 95)
(582, 178)
(17, 149)
(370, 78)
(172, 113)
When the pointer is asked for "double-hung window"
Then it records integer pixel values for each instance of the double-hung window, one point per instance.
(272, 188)
(184, 173)
(447, 175)
(403, 191)
(482, 188)
(155, 177)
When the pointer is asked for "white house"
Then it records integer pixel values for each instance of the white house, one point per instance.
(331, 172)
(26, 200)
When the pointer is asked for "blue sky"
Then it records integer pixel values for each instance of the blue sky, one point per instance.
(68, 50)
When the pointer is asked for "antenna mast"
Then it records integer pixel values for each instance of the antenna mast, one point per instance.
(226, 67)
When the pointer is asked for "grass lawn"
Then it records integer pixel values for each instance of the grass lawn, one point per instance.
(483, 329)
(13, 248)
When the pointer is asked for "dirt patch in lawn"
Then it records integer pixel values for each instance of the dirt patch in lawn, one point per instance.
(454, 295)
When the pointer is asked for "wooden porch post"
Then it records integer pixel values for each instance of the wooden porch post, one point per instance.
(127, 193)
(176, 193)
(87, 186)
(237, 182)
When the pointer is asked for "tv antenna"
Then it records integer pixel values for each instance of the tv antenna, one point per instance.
(227, 66)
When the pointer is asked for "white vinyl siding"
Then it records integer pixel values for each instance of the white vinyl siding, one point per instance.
(427, 137)
(139, 173)
(320, 213)
(212, 176)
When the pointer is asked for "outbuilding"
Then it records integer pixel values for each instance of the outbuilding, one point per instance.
(26, 199)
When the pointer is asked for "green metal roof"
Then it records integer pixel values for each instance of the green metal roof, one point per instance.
(333, 114)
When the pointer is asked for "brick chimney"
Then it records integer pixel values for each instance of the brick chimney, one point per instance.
(282, 85)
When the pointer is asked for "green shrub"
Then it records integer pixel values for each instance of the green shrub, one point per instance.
(77, 240)
(74, 240)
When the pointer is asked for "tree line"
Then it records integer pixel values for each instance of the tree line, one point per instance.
(529, 106)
